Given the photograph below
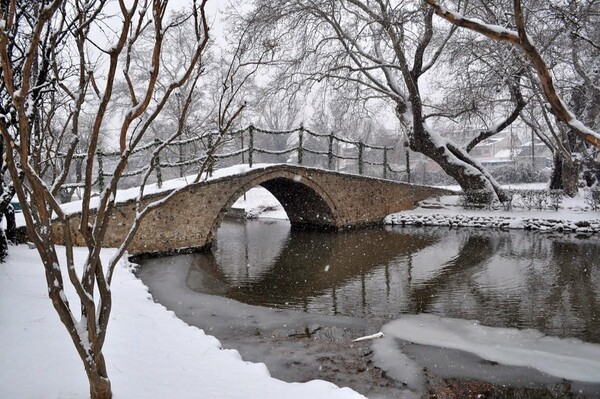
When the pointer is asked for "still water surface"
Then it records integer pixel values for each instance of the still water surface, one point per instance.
(502, 279)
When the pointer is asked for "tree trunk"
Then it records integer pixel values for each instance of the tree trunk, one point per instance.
(100, 387)
(11, 225)
(570, 176)
(3, 246)
(565, 175)
(556, 177)
(92, 357)
(455, 161)
(10, 233)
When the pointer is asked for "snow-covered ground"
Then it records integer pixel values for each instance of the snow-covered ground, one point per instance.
(259, 203)
(574, 215)
(152, 354)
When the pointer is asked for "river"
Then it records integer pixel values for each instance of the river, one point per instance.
(297, 299)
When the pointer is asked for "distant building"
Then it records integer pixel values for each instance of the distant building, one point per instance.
(502, 149)
(496, 151)
(538, 154)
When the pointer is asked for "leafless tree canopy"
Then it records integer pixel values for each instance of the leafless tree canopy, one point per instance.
(553, 37)
(397, 51)
(385, 51)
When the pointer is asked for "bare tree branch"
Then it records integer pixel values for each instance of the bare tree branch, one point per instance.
(520, 39)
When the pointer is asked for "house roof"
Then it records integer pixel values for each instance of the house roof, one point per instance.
(503, 154)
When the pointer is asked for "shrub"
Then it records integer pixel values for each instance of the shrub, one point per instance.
(537, 199)
(522, 172)
(507, 202)
(556, 198)
(592, 197)
(477, 199)
(526, 197)
(533, 198)
(540, 199)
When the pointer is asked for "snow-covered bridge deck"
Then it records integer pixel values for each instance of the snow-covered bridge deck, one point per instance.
(311, 197)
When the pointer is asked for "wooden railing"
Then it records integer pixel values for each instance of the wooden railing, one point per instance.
(241, 144)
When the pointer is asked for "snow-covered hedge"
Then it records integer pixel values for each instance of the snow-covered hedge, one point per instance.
(530, 199)
(521, 172)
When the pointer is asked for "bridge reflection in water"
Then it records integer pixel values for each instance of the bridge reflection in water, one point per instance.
(503, 279)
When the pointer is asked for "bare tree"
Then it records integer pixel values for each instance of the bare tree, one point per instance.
(381, 49)
(189, 113)
(275, 112)
(8, 117)
(54, 50)
(516, 33)
(579, 22)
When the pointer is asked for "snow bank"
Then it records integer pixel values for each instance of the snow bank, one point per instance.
(150, 353)
(564, 358)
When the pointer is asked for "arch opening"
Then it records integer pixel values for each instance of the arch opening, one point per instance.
(304, 206)
(257, 203)
(307, 206)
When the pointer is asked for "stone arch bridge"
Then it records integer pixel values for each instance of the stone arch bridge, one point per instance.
(312, 198)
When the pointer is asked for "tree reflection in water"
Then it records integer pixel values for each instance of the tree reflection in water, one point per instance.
(503, 279)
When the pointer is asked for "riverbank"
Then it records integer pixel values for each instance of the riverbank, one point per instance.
(540, 224)
(150, 353)
(572, 216)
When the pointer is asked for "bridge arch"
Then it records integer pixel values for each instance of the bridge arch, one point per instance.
(306, 203)
(311, 197)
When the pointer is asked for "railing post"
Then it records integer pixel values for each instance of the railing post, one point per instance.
(180, 150)
(159, 181)
(208, 151)
(250, 145)
(300, 151)
(360, 158)
(330, 152)
(385, 162)
(242, 147)
(407, 153)
(100, 171)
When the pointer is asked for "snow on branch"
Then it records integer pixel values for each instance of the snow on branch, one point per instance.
(520, 39)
